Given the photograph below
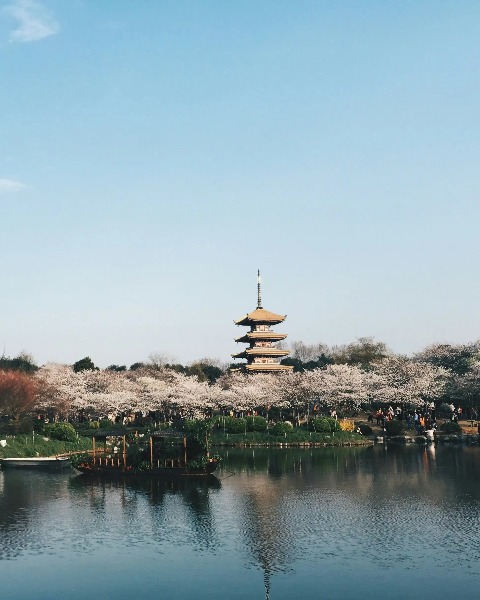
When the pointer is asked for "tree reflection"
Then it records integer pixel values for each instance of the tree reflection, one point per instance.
(148, 502)
(22, 495)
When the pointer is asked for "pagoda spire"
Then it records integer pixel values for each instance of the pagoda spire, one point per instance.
(259, 290)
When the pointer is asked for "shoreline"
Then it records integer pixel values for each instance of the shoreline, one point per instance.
(365, 442)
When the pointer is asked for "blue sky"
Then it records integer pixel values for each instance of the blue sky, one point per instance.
(154, 154)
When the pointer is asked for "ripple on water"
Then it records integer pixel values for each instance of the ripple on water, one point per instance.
(379, 514)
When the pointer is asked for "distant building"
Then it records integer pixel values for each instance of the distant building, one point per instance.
(262, 355)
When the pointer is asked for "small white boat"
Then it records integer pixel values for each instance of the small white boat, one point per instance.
(40, 462)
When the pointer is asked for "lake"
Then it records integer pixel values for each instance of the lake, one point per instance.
(365, 522)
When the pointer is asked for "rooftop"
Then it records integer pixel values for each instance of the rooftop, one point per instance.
(267, 367)
(261, 335)
(260, 315)
(261, 351)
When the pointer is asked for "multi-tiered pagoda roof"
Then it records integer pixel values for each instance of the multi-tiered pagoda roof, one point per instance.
(261, 354)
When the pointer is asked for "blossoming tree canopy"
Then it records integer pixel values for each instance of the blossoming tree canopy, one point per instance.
(436, 374)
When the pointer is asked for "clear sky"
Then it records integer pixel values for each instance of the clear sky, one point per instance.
(154, 154)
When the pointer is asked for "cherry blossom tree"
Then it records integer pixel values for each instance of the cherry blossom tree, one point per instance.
(406, 381)
(60, 388)
(295, 390)
(246, 393)
(464, 390)
(191, 396)
(158, 389)
(153, 393)
(340, 387)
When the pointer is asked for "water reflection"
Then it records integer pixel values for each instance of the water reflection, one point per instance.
(361, 469)
(160, 506)
(22, 499)
(287, 524)
(381, 506)
(92, 512)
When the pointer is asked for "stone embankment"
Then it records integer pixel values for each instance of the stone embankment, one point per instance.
(250, 444)
(461, 438)
(469, 434)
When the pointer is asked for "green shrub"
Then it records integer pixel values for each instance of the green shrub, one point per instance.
(450, 427)
(281, 428)
(60, 431)
(256, 424)
(324, 425)
(394, 427)
(78, 459)
(198, 431)
(234, 425)
(106, 424)
(30, 452)
(135, 454)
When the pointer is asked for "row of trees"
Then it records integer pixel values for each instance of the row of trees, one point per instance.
(361, 374)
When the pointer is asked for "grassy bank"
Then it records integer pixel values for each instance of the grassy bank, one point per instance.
(22, 446)
(296, 437)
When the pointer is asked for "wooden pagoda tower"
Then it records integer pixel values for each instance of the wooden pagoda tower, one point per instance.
(261, 354)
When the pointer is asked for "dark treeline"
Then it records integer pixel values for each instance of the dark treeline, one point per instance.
(23, 363)
(204, 370)
(362, 353)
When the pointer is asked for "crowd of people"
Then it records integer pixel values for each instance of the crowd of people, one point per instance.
(419, 419)
(422, 420)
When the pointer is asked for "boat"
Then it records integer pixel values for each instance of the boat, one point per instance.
(161, 454)
(39, 462)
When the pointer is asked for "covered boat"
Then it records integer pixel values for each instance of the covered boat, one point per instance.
(162, 454)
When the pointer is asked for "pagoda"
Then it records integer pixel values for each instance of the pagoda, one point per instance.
(262, 355)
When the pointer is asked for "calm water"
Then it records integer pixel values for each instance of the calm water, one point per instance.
(345, 523)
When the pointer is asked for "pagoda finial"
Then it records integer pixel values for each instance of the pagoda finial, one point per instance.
(259, 290)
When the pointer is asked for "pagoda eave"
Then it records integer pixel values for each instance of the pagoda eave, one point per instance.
(265, 367)
(261, 316)
(269, 336)
(247, 322)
